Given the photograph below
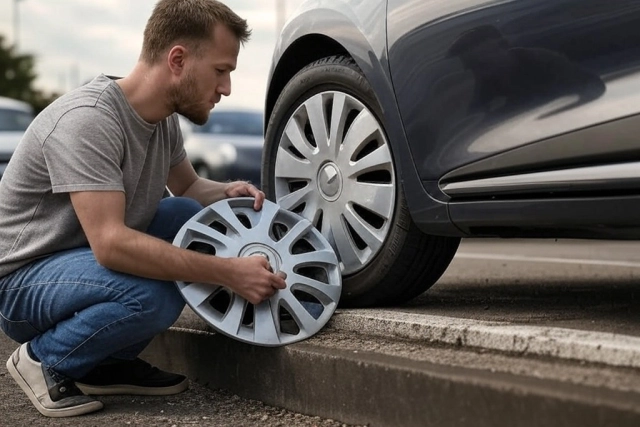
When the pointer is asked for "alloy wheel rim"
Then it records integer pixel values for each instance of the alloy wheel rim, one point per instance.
(334, 167)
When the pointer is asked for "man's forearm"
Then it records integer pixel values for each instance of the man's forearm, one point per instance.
(139, 254)
(206, 192)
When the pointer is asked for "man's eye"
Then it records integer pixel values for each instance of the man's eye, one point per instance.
(219, 71)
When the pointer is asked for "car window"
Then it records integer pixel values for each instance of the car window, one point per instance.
(232, 123)
(14, 120)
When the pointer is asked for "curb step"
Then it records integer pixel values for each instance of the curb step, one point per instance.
(358, 377)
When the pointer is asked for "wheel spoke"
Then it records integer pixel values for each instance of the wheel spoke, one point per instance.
(305, 321)
(209, 235)
(266, 217)
(228, 217)
(264, 323)
(339, 114)
(377, 198)
(298, 230)
(295, 135)
(232, 320)
(372, 237)
(293, 200)
(359, 134)
(325, 293)
(290, 166)
(317, 120)
(380, 159)
(197, 293)
(346, 248)
(313, 258)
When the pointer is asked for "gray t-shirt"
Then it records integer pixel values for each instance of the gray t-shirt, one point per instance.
(90, 139)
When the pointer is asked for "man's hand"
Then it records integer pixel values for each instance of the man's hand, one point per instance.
(243, 188)
(253, 279)
(183, 181)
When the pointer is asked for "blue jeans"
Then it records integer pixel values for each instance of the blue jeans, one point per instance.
(77, 314)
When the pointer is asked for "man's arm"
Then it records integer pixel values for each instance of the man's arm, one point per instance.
(123, 249)
(183, 181)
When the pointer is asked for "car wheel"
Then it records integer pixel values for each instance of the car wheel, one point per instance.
(328, 159)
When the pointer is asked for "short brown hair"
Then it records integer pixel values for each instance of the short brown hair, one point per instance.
(189, 22)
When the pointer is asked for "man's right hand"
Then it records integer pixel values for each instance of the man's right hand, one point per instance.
(253, 278)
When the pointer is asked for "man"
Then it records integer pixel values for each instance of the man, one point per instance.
(86, 263)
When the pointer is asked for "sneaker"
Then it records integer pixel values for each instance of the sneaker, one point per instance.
(132, 377)
(51, 398)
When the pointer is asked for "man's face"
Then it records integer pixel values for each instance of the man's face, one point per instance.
(207, 77)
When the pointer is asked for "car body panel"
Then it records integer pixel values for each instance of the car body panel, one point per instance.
(494, 132)
(577, 66)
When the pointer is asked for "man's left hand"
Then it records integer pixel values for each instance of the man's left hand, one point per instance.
(244, 189)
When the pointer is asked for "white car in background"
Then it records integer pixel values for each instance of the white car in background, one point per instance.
(15, 117)
(228, 147)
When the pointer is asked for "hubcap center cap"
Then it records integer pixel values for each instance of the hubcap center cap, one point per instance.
(330, 181)
(265, 251)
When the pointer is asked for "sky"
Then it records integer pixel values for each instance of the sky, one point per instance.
(75, 40)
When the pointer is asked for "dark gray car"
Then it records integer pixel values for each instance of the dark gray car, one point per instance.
(399, 126)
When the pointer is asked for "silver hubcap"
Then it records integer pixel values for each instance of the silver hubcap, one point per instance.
(232, 228)
(334, 167)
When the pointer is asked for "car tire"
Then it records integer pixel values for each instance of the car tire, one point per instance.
(407, 262)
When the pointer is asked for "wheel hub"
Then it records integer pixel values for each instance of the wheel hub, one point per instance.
(330, 181)
(265, 251)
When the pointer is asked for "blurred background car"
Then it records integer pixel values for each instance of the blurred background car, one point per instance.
(227, 147)
(15, 117)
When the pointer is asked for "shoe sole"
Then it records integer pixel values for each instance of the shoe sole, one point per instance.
(133, 389)
(53, 413)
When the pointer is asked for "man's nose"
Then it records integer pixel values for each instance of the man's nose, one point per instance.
(225, 87)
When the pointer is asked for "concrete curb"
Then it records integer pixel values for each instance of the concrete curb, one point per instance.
(570, 344)
(342, 375)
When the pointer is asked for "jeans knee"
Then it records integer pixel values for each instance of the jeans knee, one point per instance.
(171, 215)
(162, 306)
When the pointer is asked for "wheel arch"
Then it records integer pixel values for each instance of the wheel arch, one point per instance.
(302, 52)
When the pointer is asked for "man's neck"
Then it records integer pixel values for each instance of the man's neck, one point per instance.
(146, 94)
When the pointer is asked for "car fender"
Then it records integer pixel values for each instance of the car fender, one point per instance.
(356, 29)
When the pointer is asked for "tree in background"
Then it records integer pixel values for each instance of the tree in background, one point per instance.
(17, 76)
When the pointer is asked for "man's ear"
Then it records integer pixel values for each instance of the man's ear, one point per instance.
(176, 59)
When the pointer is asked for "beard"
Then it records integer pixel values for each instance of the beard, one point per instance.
(181, 98)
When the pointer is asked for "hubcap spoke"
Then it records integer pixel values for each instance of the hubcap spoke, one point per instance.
(266, 330)
(290, 166)
(325, 293)
(232, 320)
(318, 122)
(370, 235)
(338, 122)
(296, 137)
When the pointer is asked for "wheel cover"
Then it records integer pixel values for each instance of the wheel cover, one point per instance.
(232, 228)
(334, 167)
